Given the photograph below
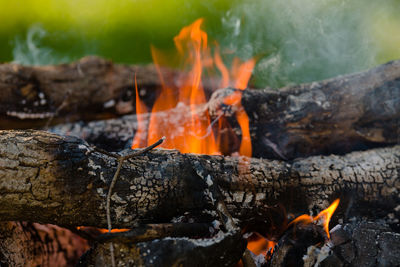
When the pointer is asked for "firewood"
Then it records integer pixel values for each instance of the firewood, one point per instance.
(91, 88)
(354, 112)
(48, 178)
(338, 115)
(32, 244)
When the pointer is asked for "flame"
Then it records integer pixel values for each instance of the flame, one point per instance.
(323, 217)
(140, 110)
(195, 134)
(261, 245)
(102, 230)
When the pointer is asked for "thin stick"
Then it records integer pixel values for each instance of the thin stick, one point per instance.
(120, 160)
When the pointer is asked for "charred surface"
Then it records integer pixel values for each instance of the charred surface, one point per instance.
(357, 243)
(340, 115)
(221, 250)
(53, 179)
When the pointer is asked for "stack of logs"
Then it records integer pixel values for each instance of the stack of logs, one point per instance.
(312, 143)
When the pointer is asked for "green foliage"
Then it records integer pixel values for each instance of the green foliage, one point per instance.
(296, 40)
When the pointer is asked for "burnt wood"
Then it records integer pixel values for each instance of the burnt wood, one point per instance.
(339, 115)
(48, 178)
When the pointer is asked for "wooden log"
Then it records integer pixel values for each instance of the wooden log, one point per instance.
(224, 249)
(339, 115)
(32, 244)
(48, 178)
(359, 243)
(91, 88)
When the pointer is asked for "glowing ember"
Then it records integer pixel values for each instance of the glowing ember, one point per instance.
(323, 217)
(100, 230)
(194, 133)
(260, 245)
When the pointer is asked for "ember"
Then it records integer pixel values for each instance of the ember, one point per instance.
(323, 217)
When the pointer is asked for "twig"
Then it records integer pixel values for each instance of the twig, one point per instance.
(149, 232)
(120, 160)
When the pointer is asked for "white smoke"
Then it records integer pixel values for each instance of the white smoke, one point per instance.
(31, 51)
(301, 40)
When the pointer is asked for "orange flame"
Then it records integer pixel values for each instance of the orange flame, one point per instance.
(261, 245)
(195, 134)
(141, 109)
(323, 217)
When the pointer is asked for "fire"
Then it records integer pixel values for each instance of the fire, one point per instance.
(259, 244)
(101, 230)
(323, 217)
(196, 134)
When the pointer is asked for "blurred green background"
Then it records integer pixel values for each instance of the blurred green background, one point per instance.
(295, 40)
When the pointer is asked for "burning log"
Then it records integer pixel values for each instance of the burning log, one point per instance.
(339, 115)
(48, 178)
(360, 243)
(354, 112)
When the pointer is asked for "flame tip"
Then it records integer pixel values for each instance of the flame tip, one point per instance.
(198, 134)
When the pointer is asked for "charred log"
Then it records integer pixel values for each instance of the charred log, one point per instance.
(48, 178)
(343, 114)
(359, 243)
(224, 249)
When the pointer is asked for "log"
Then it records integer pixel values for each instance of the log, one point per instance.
(47, 178)
(32, 244)
(357, 243)
(339, 115)
(354, 112)
(91, 88)
(221, 250)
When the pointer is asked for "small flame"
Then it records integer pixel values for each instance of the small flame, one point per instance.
(261, 245)
(323, 217)
(140, 110)
(197, 134)
(101, 230)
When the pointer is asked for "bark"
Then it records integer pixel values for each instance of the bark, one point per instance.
(339, 115)
(32, 244)
(91, 88)
(48, 178)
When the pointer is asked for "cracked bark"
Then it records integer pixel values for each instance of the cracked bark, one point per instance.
(48, 178)
(339, 115)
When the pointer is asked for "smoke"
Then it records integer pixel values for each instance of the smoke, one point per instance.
(300, 41)
(30, 50)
